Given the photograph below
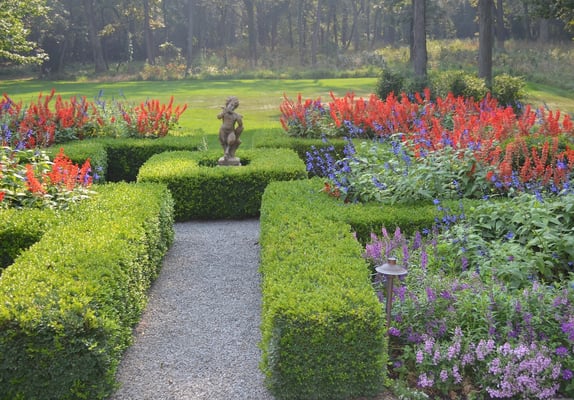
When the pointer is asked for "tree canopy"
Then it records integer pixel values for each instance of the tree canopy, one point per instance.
(265, 33)
(16, 17)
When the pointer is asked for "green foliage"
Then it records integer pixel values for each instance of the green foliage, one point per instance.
(516, 241)
(202, 189)
(508, 90)
(16, 16)
(459, 83)
(20, 229)
(80, 151)
(68, 303)
(323, 328)
(126, 156)
(389, 173)
(390, 82)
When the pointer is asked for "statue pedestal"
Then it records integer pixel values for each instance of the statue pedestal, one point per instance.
(234, 162)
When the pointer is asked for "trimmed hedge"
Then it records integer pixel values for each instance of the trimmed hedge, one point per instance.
(80, 151)
(324, 334)
(322, 325)
(204, 190)
(20, 229)
(126, 156)
(68, 303)
(275, 139)
(117, 160)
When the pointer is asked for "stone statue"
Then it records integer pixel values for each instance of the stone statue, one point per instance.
(229, 133)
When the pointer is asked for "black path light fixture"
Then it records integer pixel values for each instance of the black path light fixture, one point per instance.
(390, 269)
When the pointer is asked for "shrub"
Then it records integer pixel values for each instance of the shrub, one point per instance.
(389, 83)
(323, 331)
(202, 189)
(20, 229)
(126, 156)
(68, 303)
(508, 90)
(459, 83)
(29, 179)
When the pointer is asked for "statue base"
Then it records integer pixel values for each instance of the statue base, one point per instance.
(229, 162)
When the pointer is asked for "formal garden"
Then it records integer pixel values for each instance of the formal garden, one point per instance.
(471, 193)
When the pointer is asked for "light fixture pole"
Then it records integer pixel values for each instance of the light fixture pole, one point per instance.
(390, 269)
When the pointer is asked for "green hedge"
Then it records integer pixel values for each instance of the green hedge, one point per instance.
(126, 156)
(20, 229)
(323, 328)
(322, 325)
(68, 303)
(204, 190)
(280, 139)
(116, 160)
(80, 151)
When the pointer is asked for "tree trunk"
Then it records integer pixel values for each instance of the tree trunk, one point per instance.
(301, 30)
(148, 35)
(251, 31)
(315, 38)
(500, 29)
(485, 43)
(95, 42)
(189, 53)
(419, 57)
(544, 30)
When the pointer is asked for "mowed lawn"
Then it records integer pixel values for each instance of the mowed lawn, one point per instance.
(259, 99)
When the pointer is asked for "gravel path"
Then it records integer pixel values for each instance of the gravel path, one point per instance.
(199, 336)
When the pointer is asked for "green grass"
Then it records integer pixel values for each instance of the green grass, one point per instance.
(259, 99)
(553, 97)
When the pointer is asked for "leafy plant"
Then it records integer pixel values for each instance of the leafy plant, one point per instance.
(28, 179)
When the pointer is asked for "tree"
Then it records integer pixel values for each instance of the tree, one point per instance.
(486, 39)
(190, 26)
(15, 21)
(251, 31)
(148, 34)
(559, 9)
(95, 41)
(419, 47)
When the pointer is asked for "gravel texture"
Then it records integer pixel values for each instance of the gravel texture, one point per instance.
(198, 337)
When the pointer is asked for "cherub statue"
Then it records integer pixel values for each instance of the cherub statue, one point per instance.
(229, 133)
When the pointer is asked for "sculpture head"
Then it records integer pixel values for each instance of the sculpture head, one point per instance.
(232, 103)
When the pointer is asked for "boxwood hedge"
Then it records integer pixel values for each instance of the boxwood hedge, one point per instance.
(323, 329)
(204, 190)
(68, 303)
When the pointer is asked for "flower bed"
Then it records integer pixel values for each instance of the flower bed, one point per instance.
(486, 306)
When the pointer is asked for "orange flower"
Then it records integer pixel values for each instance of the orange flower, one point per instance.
(32, 182)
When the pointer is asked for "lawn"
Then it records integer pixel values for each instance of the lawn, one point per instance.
(259, 99)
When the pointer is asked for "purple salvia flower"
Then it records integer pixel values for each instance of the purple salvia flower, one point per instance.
(430, 295)
(443, 375)
(405, 254)
(419, 357)
(562, 351)
(425, 381)
(424, 259)
(394, 331)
